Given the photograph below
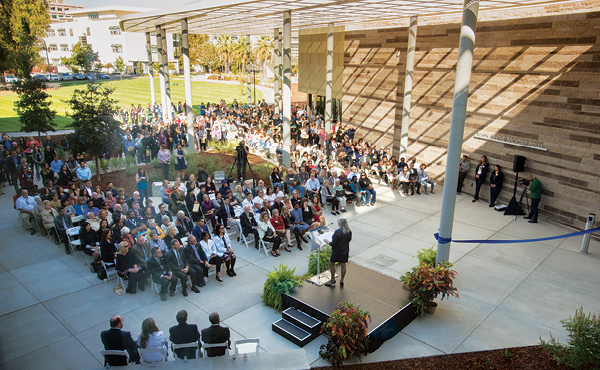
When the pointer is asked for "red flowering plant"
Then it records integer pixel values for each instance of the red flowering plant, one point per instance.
(429, 282)
(347, 329)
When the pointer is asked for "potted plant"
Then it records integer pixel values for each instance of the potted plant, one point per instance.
(280, 280)
(429, 282)
(347, 329)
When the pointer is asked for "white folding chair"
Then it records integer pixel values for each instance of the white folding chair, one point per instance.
(246, 239)
(219, 176)
(263, 245)
(77, 220)
(73, 238)
(215, 345)
(112, 352)
(110, 268)
(183, 241)
(250, 345)
(143, 351)
(193, 345)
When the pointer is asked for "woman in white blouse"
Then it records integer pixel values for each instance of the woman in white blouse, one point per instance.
(266, 232)
(218, 250)
(152, 337)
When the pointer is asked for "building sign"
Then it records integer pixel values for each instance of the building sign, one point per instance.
(509, 140)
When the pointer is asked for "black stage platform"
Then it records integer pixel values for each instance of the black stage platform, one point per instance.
(383, 297)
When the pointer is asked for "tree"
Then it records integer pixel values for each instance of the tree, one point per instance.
(98, 66)
(155, 68)
(95, 129)
(33, 106)
(119, 64)
(82, 56)
(240, 55)
(139, 66)
(224, 49)
(171, 66)
(264, 50)
(108, 66)
(23, 23)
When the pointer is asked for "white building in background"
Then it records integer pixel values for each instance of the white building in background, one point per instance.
(58, 10)
(99, 27)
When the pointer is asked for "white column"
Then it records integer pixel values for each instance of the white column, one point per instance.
(248, 69)
(161, 71)
(166, 72)
(189, 111)
(287, 84)
(150, 69)
(280, 71)
(329, 81)
(408, 82)
(276, 70)
(457, 126)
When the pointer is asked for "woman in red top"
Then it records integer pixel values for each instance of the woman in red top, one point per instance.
(317, 210)
(280, 230)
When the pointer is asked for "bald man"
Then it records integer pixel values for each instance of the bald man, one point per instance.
(120, 340)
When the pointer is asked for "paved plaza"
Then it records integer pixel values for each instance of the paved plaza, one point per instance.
(52, 308)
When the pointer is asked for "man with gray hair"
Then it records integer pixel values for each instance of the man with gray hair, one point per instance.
(215, 333)
(141, 253)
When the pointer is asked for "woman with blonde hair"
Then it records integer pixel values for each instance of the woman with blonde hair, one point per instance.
(340, 246)
(266, 232)
(152, 337)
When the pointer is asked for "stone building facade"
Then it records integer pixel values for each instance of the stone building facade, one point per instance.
(535, 83)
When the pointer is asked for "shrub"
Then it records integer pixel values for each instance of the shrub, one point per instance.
(427, 283)
(103, 165)
(92, 166)
(210, 164)
(114, 162)
(281, 280)
(583, 350)
(130, 161)
(427, 256)
(155, 163)
(312, 260)
(223, 146)
(347, 329)
(154, 176)
(263, 171)
(132, 170)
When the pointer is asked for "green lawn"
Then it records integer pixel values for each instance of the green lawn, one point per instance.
(127, 91)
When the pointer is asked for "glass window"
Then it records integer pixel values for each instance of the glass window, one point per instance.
(52, 47)
(71, 31)
(62, 32)
(88, 32)
(64, 47)
(50, 32)
(117, 48)
(115, 30)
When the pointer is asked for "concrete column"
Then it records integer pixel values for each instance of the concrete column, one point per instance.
(329, 81)
(457, 126)
(150, 69)
(189, 111)
(166, 72)
(276, 70)
(161, 71)
(287, 84)
(248, 69)
(408, 82)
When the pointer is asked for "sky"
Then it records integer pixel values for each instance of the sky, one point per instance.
(158, 4)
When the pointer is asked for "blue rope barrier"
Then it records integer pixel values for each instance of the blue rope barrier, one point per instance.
(443, 240)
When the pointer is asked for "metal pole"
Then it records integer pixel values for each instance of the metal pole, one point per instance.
(457, 126)
(585, 244)
(189, 111)
(161, 71)
(248, 68)
(287, 84)
(150, 69)
(276, 70)
(329, 81)
(166, 72)
(254, 78)
(408, 82)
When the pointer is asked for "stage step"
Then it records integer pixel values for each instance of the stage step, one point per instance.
(297, 327)
(302, 320)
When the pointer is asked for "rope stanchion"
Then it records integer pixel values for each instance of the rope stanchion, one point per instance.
(442, 240)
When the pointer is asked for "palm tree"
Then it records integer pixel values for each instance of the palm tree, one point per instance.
(239, 54)
(264, 51)
(224, 47)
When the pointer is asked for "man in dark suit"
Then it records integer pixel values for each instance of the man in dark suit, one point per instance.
(119, 340)
(141, 253)
(12, 164)
(161, 274)
(184, 333)
(215, 333)
(197, 259)
(226, 213)
(181, 268)
(249, 225)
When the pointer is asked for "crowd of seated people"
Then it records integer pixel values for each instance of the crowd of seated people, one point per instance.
(151, 337)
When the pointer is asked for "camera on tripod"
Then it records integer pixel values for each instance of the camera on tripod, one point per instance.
(524, 182)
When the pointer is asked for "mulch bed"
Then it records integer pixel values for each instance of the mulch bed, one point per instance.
(120, 180)
(532, 357)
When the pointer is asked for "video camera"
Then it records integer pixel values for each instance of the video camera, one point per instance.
(524, 182)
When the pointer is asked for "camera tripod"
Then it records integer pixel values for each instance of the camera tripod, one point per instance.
(241, 180)
(525, 194)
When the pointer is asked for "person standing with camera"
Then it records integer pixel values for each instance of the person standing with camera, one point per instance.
(242, 158)
(535, 193)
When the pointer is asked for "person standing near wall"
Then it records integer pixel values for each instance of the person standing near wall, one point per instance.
(480, 174)
(535, 193)
(463, 167)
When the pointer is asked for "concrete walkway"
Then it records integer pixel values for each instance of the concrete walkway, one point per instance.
(53, 308)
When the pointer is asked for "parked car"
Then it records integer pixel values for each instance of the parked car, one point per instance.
(103, 76)
(90, 76)
(53, 77)
(78, 76)
(66, 76)
(40, 77)
(10, 79)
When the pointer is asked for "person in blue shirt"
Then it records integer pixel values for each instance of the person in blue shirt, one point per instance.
(56, 164)
(83, 172)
